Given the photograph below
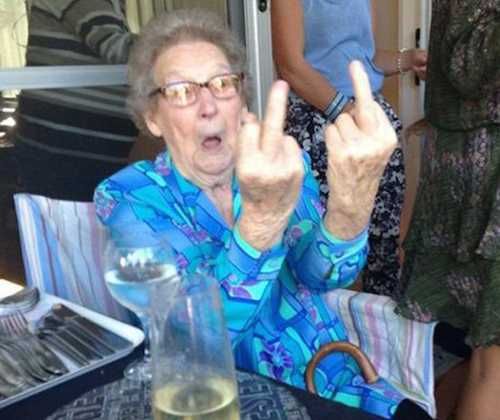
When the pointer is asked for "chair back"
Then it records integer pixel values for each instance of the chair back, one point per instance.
(62, 244)
(398, 349)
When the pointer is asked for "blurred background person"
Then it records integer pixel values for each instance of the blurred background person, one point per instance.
(67, 140)
(313, 42)
(452, 251)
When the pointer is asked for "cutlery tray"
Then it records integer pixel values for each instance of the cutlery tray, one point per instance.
(132, 337)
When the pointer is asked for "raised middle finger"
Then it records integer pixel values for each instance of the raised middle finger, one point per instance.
(361, 85)
(274, 119)
(365, 113)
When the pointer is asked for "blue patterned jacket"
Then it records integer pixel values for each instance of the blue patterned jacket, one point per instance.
(272, 300)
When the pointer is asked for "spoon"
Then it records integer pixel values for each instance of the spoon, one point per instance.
(22, 301)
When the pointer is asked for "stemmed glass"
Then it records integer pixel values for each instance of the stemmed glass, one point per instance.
(133, 266)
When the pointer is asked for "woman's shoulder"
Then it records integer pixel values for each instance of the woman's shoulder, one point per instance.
(140, 174)
(133, 184)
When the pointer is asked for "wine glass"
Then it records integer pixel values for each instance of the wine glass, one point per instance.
(133, 267)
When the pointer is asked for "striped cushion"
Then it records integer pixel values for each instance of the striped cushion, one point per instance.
(401, 350)
(62, 245)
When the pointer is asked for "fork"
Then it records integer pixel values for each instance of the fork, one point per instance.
(14, 324)
(14, 339)
(42, 358)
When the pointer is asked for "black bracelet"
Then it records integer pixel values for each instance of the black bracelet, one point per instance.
(335, 107)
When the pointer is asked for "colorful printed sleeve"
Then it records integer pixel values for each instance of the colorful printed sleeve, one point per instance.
(318, 259)
(246, 275)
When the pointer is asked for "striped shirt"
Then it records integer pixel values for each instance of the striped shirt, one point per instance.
(90, 122)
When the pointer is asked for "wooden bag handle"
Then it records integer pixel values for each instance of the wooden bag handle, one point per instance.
(367, 369)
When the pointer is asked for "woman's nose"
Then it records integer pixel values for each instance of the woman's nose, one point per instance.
(208, 103)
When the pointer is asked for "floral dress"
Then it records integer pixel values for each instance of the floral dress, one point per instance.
(273, 300)
(452, 251)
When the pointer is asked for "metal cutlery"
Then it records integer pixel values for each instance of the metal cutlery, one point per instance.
(102, 335)
(22, 301)
(72, 327)
(6, 388)
(14, 373)
(77, 337)
(26, 360)
(53, 339)
(14, 328)
(29, 354)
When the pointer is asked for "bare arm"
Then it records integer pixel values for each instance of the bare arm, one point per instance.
(411, 60)
(387, 60)
(288, 54)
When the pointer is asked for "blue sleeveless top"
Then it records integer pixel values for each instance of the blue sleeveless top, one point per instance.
(337, 32)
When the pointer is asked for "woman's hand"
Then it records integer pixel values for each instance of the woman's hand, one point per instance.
(270, 170)
(359, 145)
(418, 62)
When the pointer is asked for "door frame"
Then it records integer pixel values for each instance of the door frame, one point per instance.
(259, 54)
(412, 15)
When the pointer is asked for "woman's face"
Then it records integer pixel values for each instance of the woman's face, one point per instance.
(201, 137)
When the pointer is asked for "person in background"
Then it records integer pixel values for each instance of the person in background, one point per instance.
(237, 195)
(313, 42)
(68, 140)
(452, 251)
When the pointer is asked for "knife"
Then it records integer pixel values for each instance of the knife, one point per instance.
(26, 361)
(112, 340)
(13, 372)
(53, 340)
(7, 389)
(50, 360)
(51, 321)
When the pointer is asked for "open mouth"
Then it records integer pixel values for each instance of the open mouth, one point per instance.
(211, 143)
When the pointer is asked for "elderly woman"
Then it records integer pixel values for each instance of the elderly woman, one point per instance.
(237, 193)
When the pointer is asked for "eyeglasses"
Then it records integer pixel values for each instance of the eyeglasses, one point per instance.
(181, 94)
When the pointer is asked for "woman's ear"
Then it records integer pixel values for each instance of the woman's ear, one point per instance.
(153, 127)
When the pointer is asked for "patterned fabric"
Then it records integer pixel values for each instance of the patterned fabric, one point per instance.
(462, 82)
(62, 244)
(400, 350)
(307, 125)
(85, 133)
(276, 315)
(452, 251)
